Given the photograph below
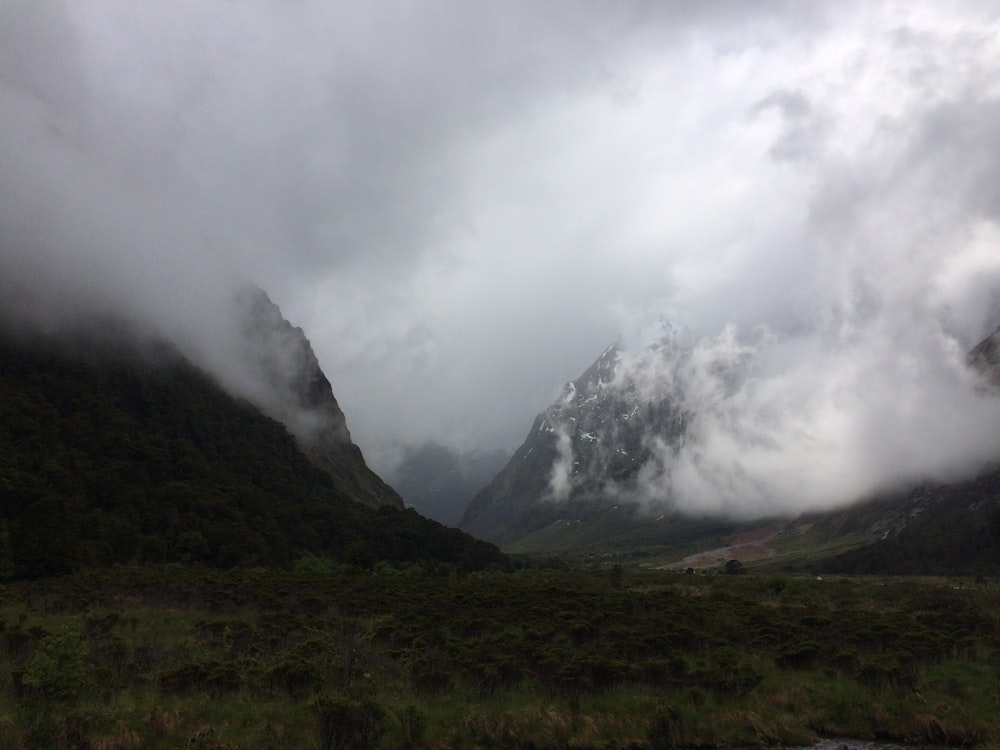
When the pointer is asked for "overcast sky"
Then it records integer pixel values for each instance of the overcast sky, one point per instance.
(463, 203)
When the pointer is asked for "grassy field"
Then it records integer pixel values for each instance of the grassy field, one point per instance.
(177, 657)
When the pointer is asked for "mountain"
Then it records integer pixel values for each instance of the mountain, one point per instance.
(115, 449)
(985, 359)
(571, 487)
(585, 452)
(293, 390)
(439, 481)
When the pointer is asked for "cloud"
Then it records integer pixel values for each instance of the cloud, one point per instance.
(561, 477)
(463, 204)
(769, 433)
(860, 384)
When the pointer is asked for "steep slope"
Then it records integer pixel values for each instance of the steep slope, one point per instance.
(439, 481)
(949, 528)
(111, 453)
(584, 453)
(297, 393)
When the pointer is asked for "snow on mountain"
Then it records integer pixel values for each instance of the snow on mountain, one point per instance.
(716, 427)
(588, 448)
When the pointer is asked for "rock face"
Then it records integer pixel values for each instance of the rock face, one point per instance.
(290, 387)
(985, 359)
(585, 452)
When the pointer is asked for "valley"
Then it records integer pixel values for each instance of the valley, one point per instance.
(576, 375)
(182, 568)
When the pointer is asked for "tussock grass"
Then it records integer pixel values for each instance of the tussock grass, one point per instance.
(170, 658)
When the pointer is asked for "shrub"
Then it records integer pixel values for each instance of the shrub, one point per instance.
(346, 724)
(662, 733)
(617, 576)
(798, 655)
(56, 672)
(296, 676)
(414, 724)
(734, 568)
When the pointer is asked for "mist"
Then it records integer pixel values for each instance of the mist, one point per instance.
(462, 206)
(781, 426)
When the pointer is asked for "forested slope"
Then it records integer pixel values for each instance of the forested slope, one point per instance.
(112, 455)
(951, 529)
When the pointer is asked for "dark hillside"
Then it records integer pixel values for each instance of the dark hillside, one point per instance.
(117, 457)
(951, 529)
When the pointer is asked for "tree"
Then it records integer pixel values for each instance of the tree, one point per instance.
(733, 568)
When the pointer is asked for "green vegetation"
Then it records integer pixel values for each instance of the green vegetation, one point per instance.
(952, 527)
(410, 656)
(118, 456)
(624, 532)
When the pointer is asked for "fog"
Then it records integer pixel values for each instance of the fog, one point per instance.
(463, 204)
(782, 425)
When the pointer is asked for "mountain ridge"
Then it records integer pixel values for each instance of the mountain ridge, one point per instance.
(521, 511)
(116, 449)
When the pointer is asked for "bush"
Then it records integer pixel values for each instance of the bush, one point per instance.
(414, 724)
(798, 655)
(662, 733)
(346, 724)
(734, 568)
(56, 672)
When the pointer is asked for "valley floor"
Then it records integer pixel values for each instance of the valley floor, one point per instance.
(746, 546)
(328, 657)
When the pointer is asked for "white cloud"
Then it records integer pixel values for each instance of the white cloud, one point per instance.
(561, 477)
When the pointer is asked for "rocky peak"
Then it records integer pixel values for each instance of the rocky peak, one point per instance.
(297, 393)
(586, 450)
(302, 397)
(985, 359)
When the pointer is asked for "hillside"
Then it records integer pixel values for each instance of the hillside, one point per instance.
(116, 453)
(935, 529)
(949, 528)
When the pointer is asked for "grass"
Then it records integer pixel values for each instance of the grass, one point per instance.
(178, 657)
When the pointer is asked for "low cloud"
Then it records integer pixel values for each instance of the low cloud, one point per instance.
(561, 476)
(771, 435)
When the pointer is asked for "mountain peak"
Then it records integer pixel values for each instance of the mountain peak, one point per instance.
(586, 450)
(295, 391)
(282, 356)
(985, 359)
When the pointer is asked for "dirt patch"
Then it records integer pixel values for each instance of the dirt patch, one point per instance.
(747, 546)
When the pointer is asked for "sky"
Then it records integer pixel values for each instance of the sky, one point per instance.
(463, 204)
